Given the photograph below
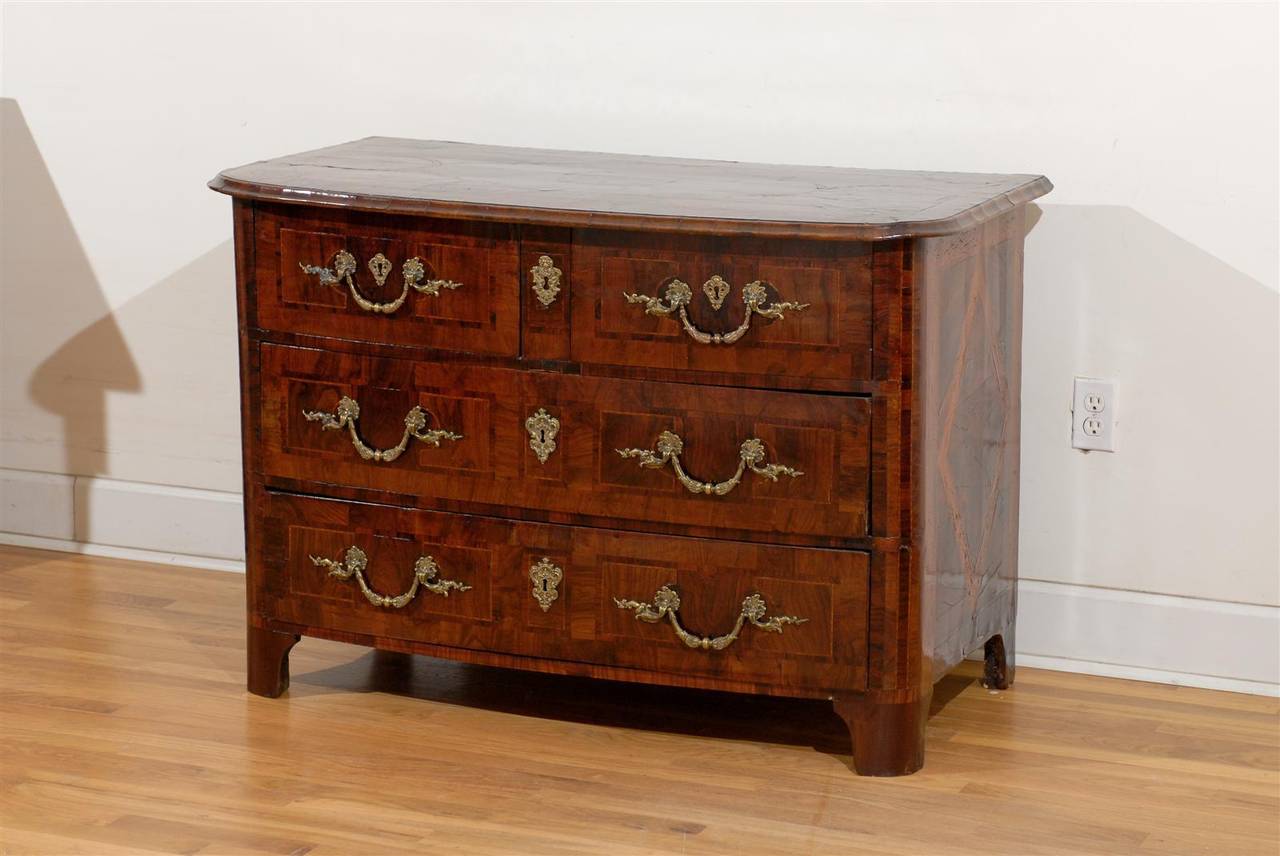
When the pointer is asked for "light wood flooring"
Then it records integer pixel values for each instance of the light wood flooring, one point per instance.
(126, 730)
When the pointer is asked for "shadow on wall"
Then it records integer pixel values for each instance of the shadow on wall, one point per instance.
(184, 430)
(72, 393)
(50, 295)
(1194, 347)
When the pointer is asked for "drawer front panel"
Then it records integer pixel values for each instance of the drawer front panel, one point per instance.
(812, 312)
(463, 295)
(582, 622)
(483, 452)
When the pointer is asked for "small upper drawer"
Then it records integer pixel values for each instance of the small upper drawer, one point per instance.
(431, 283)
(748, 306)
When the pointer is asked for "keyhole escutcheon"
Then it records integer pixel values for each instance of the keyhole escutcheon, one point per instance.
(546, 576)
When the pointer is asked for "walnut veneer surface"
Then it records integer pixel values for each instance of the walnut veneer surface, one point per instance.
(596, 189)
(727, 426)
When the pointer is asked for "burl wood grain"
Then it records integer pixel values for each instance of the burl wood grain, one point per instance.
(944, 478)
(268, 660)
(545, 333)
(592, 189)
(969, 375)
(494, 466)
(481, 316)
(896, 392)
(828, 339)
(499, 614)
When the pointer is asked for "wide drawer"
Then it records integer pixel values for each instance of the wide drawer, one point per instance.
(772, 465)
(549, 591)
(750, 307)
(431, 283)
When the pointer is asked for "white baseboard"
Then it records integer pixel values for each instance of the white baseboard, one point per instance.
(1154, 676)
(41, 504)
(1150, 637)
(160, 518)
(96, 512)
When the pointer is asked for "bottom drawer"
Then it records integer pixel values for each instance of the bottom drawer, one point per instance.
(779, 616)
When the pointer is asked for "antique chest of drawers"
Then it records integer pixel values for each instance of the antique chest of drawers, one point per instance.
(715, 425)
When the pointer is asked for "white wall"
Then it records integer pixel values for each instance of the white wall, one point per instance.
(1154, 262)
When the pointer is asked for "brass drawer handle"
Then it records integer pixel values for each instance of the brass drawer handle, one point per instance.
(679, 295)
(666, 602)
(344, 268)
(425, 575)
(669, 447)
(348, 413)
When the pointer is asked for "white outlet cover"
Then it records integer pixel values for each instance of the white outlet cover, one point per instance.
(1100, 436)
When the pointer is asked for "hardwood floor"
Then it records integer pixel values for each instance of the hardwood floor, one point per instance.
(126, 729)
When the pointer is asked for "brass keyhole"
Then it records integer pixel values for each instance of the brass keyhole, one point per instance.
(542, 428)
(546, 575)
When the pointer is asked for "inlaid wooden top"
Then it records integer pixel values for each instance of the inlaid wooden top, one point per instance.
(555, 187)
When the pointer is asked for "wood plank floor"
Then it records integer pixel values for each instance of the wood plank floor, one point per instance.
(126, 730)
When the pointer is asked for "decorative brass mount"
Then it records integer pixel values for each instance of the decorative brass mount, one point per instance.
(425, 576)
(678, 295)
(669, 447)
(666, 603)
(716, 290)
(546, 281)
(348, 413)
(545, 576)
(542, 428)
(344, 268)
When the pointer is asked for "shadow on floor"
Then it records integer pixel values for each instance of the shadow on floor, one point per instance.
(669, 710)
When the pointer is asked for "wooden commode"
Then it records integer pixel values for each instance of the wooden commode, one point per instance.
(718, 425)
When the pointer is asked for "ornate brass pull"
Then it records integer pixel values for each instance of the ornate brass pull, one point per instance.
(425, 573)
(666, 603)
(679, 295)
(344, 268)
(669, 447)
(348, 413)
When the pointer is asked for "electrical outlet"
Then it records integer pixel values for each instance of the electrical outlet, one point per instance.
(1093, 415)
